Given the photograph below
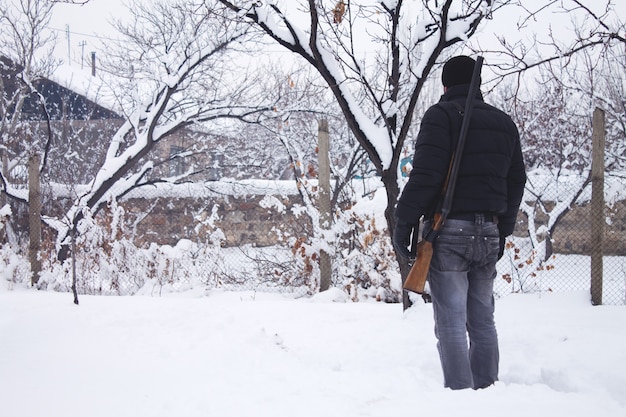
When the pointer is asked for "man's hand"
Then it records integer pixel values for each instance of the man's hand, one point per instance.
(402, 238)
(502, 244)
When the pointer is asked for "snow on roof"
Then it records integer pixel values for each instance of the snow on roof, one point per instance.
(81, 81)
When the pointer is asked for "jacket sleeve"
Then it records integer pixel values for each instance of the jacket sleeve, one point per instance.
(516, 182)
(430, 167)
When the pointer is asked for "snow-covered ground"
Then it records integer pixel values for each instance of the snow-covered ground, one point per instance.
(250, 354)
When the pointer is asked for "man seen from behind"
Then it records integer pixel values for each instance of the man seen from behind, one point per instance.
(488, 193)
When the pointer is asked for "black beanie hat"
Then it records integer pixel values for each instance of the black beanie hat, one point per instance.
(457, 71)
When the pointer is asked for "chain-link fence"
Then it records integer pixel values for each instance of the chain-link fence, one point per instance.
(552, 247)
(257, 236)
(519, 271)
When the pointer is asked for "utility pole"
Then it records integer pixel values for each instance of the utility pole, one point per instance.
(67, 35)
(82, 45)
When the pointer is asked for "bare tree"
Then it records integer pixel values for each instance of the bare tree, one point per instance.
(596, 25)
(375, 58)
(26, 47)
(289, 141)
(555, 133)
(598, 77)
(570, 73)
(176, 72)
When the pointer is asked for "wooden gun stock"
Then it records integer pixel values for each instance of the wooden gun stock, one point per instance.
(416, 280)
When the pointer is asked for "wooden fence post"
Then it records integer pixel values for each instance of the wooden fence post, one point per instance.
(324, 198)
(3, 200)
(597, 207)
(34, 218)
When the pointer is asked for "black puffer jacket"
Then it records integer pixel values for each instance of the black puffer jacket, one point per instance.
(491, 176)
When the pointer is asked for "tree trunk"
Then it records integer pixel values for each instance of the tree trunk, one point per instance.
(390, 181)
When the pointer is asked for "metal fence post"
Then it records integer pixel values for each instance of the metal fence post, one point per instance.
(597, 207)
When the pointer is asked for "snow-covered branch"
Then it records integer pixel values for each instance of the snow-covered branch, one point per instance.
(571, 28)
(375, 59)
(191, 39)
(354, 77)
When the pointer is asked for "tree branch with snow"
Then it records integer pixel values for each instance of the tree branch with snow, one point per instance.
(375, 60)
(176, 73)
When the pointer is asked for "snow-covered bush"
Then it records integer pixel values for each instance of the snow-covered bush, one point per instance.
(109, 263)
(366, 267)
(14, 268)
(363, 260)
(524, 265)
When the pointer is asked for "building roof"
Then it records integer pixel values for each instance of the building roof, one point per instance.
(61, 102)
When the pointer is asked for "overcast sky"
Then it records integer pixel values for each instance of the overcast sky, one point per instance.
(90, 24)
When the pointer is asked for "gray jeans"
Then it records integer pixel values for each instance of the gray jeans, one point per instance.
(461, 280)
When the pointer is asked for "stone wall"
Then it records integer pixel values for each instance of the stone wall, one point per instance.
(573, 233)
(244, 220)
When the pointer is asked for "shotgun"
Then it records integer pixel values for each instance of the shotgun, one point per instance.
(416, 279)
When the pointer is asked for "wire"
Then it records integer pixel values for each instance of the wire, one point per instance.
(82, 34)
